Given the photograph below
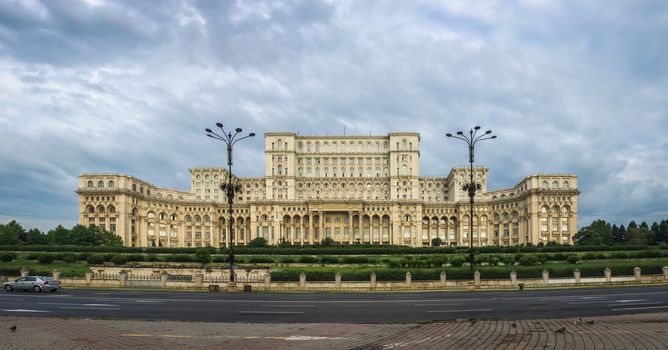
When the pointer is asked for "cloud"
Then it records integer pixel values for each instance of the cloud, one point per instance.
(128, 87)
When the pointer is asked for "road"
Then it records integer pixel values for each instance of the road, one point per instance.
(335, 308)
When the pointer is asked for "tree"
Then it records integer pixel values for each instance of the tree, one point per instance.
(598, 233)
(59, 236)
(639, 236)
(258, 242)
(36, 237)
(620, 235)
(436, 242)
(11, 233)
(661, 233)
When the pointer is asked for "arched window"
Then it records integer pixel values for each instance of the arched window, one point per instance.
(134, 187)
(564, 210)
(543, 210)
(565, 185)
(90, 209)
(407, 218)
(111, 184)
(300, 146)
(161, 216)
(555, 184)
(317, 147)
(280, 170)
(90, 184)
(404, 170)
(173, 217)
(111, 209)
(150, 215)
(403, 144)
(505, 216)
(100, 184)
(544, 184)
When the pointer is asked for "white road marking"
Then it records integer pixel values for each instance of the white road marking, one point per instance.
(101, 305)
(150, 301)
(641, 308)
(467, 310)
(24, 310)
(441, 304)
(271, 312)
(288, 305)
(88, 308)
(635, 304)
(629, 300)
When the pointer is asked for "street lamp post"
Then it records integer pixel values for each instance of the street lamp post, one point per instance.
(471, 187)
(229, 188)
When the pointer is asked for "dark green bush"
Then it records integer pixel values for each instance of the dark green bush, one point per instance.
(529, 260)
(179, 258)
(261, 260)
(119, 259)
(358, 260)
(287, 260)
(329, 260)
(135, 257)
(573, 259)
(46, 258)
(305, 259)
(457, 261)
(95, 259)
(7, 256)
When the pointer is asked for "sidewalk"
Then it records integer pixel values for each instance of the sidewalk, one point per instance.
(642, 331)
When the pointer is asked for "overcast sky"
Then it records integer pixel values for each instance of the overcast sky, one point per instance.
(128, 86)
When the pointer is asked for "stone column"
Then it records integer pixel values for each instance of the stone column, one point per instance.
(337, 280)
(513, 277)
(546, 276)
(163, 279)
(89, 277)
(267, 281)
(476, 278)
(636, 273)
(608, 274)
(56, 274)
(24, 271)
(123, 278)
(350, 227)
(408, 280)
(373, 280)
(302, 280)
(443, 276)
(198, 280)
(576, 274)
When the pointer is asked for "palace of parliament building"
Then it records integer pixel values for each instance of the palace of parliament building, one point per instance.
(352, 189)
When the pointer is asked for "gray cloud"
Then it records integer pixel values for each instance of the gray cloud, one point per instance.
(129, 86)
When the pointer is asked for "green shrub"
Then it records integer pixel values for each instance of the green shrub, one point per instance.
(46, 258)
(33, 256)
(178, 258)
(119, 259)
(358, 260)
(152, 257)
(135, 257)
(95, 259)
(529, 260)
(653, 253)
(83, 256)
(457, 261)
(329, 260)
(202, 255)
(573, 259)
(258, 242)
(7, 256)
(287, 260)
(261, 260)
(437, 261)
(619, 255)
(305, 259)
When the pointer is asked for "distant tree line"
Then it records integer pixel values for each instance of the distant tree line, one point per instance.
(601, 232)
(14, 234)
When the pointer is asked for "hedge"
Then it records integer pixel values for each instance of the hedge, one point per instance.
(454, 273)
(334, 250)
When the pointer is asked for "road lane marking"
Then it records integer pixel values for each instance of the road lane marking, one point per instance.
(101, 305)
(23, 310)
(467, 310)
(288, 305)
(636, 304)
(150, 301)
(88, 308)
(286, 338)
(641, 308)
(271, 312)
(443, 304)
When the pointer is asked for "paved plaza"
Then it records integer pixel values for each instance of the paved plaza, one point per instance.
(639, 331)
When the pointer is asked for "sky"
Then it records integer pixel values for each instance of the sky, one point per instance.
(128, 87)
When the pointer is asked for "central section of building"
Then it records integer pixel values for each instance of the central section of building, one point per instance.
(352, 189)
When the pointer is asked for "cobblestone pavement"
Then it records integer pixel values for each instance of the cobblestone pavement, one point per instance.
(642, 331)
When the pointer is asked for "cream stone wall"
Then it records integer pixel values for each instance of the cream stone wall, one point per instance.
(353, 189)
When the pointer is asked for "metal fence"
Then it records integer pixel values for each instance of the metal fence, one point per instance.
(106, 276)
(180, 278)
(133, 277)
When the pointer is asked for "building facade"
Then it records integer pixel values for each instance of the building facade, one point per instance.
(352, 189)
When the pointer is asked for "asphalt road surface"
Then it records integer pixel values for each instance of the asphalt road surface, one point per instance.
(335, 308)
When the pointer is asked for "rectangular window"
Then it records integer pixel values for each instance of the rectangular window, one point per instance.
(564, 225)
(506, 230)
(337, 233)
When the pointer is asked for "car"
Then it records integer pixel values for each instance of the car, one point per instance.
(34, 283)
